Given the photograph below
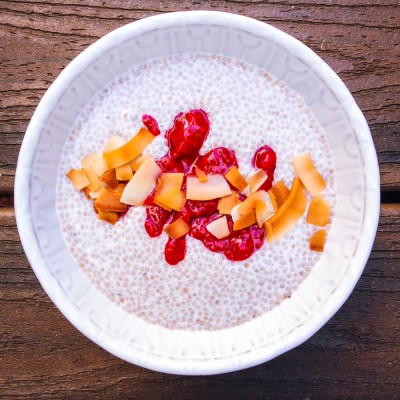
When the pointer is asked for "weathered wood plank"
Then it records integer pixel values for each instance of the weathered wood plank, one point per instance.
(7, 176)
(38, 38)
(355, 355)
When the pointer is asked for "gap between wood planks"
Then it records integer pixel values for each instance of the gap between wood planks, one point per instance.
(390, 197)
(387, 197)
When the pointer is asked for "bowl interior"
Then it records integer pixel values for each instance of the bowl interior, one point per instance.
(350, 238)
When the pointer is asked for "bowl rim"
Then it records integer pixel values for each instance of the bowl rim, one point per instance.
(43, 110)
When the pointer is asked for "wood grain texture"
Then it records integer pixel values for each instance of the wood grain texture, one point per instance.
(354, 356)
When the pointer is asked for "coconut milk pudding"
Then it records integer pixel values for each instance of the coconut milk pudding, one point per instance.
(244, 110)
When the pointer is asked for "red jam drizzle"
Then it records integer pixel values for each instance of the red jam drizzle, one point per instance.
(187, 135)
(202, 208)
(169, 164)
(217, 161)
(185, 140)
(238, 246)
(265, 158)
(157, 217)
(175, 250)
(151, 124)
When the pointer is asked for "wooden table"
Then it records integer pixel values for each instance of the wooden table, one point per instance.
(355, 355)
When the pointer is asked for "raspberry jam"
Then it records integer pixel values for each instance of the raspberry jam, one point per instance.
(217, 161)
(244, 243)
(185, 140)
(175, 250)
(169, 164)
(156, 218)
(238, 246)
(265, 158)
(151, 124)
(187, 135)
(202, 208)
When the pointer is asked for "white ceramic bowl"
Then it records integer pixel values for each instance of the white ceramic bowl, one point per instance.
(330, 281)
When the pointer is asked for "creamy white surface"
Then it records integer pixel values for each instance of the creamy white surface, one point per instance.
(247, 109)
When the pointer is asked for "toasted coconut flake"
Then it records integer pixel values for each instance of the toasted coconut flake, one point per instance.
(235, 178)
(69, 173)
(245, 220)
(215, 187)
(111, 217)
(310, 177)
(317, 241)
(288, 214)
(256, 180)
(200, 174)
(120, 188)
(319, 212)
(162, 205)
(177, 229)
(170, 181)
(226, 203)
(94, 185)
(109, 177)
(87, 192)
(250, 202)
(138, 161)
(95, 161)
(110, 201)
(235, 213)
(142, 183)
(219, 228)
(94, 195)
(278, 194)
(78, 178)
(262, 213)
(114, 143)
(124, 172)
(173, 199)
(129, 150)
